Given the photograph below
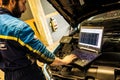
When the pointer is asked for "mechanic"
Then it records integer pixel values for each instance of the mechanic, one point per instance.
(17, 42)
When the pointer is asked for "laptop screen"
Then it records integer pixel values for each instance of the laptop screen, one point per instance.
(91, 36)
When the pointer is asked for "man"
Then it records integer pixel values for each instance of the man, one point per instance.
(17, 41)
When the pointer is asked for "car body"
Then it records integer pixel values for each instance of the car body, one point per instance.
(90, 13)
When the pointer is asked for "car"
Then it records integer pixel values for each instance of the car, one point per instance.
(103, 13)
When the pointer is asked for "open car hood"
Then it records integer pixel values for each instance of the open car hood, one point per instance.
(75, 11)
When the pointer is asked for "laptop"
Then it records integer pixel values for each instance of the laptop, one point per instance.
(89, 45)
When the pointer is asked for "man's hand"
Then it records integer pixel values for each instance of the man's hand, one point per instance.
(69, 58)
(66, 60)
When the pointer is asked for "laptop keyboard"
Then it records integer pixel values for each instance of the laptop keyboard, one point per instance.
(84, 55)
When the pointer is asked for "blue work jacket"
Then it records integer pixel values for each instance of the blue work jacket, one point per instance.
(16, 41)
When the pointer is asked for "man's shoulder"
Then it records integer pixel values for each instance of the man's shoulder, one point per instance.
(16, 22)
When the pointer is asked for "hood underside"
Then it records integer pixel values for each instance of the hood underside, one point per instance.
(75, 11)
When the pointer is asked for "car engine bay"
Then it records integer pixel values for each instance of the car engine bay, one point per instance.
(105, 67)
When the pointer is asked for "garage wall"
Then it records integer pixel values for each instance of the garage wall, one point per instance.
(63, 26)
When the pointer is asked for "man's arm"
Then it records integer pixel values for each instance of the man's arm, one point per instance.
(36, 48)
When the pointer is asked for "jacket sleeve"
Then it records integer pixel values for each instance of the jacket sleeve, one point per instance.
(27, 39)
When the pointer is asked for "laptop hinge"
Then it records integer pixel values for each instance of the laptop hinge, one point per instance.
(92, 50)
